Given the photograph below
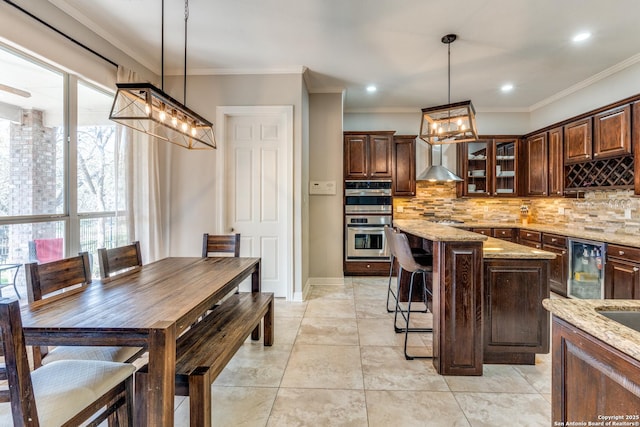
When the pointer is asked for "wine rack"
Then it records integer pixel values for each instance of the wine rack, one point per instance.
(600, 174)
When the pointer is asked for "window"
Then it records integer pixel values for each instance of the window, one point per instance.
(53, 205)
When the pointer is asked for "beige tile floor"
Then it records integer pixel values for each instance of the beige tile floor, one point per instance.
(337, 361)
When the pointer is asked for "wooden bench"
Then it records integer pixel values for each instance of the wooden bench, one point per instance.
(204, 350)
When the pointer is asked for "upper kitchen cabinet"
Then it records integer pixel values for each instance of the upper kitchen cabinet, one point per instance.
(612, 133)
(368, 155)
(556, 162)
(404, 165)
(489, 167)
(536, 170)
(577, 141)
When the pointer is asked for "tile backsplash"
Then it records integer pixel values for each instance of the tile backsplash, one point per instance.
(615, 211)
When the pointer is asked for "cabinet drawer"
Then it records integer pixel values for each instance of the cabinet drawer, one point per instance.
(554, 239)
(483, 231)
(503, 233)
(530, 235)
(626, 252)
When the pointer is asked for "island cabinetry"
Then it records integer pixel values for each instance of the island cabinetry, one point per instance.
(516, 326)
(622, 272)
(558, 267)
(536, 172)
(530, 238)
(612, 133)
(591, 379)
(556, 162)
(404, 165)
(577, 141)
(368, 155)
(457, 307)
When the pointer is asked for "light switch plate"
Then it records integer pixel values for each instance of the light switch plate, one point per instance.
(326, 188)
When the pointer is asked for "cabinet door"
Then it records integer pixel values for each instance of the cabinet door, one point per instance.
(556, 163)
(612, 133)
(577, 141)
(558, 269)
(537, 165)
(380, 155)
(404, 165)
(508, 234)
(504, 171)
(483, 231)
(355, 156)
(621, 279)
(475, 168)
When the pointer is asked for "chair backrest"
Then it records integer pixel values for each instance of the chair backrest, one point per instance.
(44, 279)
(227, 243)
(404, 256)
(388, 235)
(118, 259)
(16, 365)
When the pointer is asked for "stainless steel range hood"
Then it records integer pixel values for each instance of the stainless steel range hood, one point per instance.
(437, 172)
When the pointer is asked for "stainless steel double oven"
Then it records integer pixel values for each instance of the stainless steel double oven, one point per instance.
(368, 208)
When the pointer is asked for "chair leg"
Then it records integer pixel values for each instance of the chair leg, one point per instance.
(389, 290)
(409, 329)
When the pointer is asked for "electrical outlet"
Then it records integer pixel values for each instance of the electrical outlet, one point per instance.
(400, 209)
(485, 208)
(627, 213)
(560, 210)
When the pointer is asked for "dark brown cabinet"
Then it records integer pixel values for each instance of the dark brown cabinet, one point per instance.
(591, 379)
(404, 165)
(556, 162)
(577, 141)
(489, 167)
(612, 133)
(622, 273)
(537, 170)
(558, 267)
(530, 238)
(508, 234)
(368, 155)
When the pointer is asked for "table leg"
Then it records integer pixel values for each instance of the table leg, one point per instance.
(154, 400)
(256, 286)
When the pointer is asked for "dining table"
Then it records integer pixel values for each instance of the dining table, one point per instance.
(149, 306)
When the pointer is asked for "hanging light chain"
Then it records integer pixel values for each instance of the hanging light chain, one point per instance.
(186, 19)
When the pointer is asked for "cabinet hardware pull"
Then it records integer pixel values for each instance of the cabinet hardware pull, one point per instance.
(636, 268)
(553, 239)
(620, 252)
(564, 252)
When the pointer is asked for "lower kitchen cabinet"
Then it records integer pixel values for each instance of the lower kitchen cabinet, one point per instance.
(622, 273)
(591, 379)
(508, 234)
(530, 238)
(558, 273)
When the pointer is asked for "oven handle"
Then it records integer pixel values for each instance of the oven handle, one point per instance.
(363, 228)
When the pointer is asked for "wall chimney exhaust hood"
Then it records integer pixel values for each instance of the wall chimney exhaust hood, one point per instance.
(437, 172)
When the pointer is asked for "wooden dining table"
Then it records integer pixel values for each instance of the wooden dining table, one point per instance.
(147, 307)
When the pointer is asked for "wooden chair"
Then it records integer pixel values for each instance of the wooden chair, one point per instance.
(119, 259)
(227, 243)
(57, 279)
(62, 393)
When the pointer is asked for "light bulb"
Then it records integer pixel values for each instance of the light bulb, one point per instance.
(147, 109)
(463, 127)
(459, 122)
(162, 115)
(184, 126)
(174, 118)
(440, 130)
(194, 131)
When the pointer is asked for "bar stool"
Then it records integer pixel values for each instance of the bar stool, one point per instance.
(419, 254)
(408, 263)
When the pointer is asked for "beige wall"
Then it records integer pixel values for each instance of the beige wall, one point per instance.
(325, 212)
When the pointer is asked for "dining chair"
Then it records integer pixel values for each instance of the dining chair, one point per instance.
(407, 263)
(220, 243)
(117, 260)
(62, 393)
(51, 281)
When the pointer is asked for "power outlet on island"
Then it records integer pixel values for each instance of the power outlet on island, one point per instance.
(627, 213)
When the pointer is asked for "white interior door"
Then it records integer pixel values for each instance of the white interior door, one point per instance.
(257, 193)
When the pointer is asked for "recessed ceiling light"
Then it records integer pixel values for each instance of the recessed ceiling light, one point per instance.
(581, 36)
(508, 87)
(371, 88)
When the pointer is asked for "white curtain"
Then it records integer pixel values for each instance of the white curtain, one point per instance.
(144, 207)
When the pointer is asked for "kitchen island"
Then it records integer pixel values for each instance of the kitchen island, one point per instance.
(487, 298)
(596, 363)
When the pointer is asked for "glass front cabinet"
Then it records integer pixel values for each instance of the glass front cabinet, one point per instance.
(489, 167)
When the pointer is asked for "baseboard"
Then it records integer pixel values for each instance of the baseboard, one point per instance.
(339, 281)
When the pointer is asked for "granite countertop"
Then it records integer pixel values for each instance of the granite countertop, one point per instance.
(563, 230)
(500, 249)
(583, 315)
(491, 248)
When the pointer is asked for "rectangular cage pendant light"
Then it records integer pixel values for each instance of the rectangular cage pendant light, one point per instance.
(145, 108)
(449, 124)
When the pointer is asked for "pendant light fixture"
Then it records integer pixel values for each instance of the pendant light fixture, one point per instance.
(145, 108)
(450, 123)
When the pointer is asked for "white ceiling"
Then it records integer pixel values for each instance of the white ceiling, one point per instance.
(394, 44)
